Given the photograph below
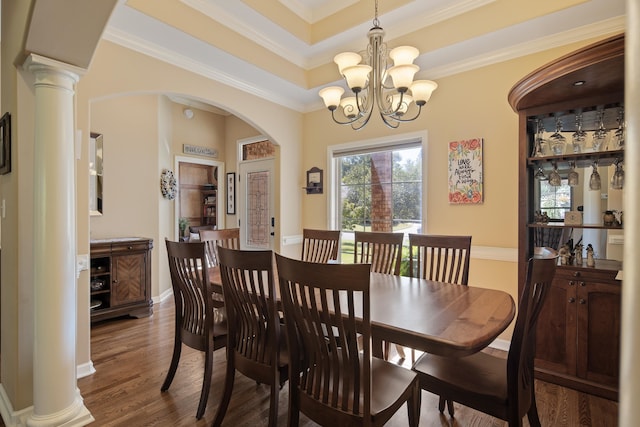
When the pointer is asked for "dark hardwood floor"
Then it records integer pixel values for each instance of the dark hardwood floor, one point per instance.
(131, 357)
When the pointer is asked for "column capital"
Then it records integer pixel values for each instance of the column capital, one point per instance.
(41, 65)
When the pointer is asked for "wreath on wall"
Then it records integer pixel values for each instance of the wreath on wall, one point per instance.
(168, 184)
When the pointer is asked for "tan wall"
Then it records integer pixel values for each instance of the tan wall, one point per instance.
(466, 105)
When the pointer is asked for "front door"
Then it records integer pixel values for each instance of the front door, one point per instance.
(256, 208)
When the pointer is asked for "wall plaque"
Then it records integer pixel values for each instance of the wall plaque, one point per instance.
(199, 151)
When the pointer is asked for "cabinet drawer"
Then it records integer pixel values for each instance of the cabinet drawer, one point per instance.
(587, 275)
(124, 247)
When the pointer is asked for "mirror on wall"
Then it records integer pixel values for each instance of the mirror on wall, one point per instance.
(95, 174)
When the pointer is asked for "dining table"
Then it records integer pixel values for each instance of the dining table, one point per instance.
(433, 317)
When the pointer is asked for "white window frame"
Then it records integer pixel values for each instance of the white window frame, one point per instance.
(371, 144)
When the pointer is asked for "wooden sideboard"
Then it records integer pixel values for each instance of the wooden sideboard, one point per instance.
(120, 278)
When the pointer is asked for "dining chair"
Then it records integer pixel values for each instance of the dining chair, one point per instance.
(326, 307)
(382, 250)
(194, 315)
(440, 258)
(255, 346)
(227, 238)
(503, 388)
(320, 245)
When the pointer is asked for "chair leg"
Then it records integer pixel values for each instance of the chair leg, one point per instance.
(532, 413)
(449, 403)
(273, 403)
(206, 383)
(413, 406)
(450, 407)
(226, 394)
(387, 347)
(293, 417)
(173, 367)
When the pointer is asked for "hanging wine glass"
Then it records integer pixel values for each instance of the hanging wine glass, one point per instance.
(579, 136)
(573, 178)
(554, 177)
(539, 175)
(539, 143)
(620, 132)
(600, 135)
(595, 182)
(556, 139)
(617, 180)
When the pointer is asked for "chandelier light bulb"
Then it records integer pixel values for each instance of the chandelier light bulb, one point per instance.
(331, 96)
(357, 76)
(403, 55)
(406, 101)
(402, 75)
(346, 59)
(422, 90)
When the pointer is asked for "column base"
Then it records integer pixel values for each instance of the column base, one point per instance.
(76, 415)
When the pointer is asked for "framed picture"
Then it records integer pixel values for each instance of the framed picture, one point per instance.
(5, 144)
(465, 172)
(231, 193)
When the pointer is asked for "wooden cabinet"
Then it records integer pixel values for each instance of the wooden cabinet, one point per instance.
(579, 329)
(121, 278)
(209, 206)
(578, 335)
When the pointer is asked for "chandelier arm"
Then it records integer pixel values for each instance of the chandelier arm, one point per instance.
(346, 122)
(393, 124)
(403, 119)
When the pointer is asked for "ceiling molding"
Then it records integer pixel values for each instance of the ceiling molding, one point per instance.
(316, 13)
(171, 57)
(599, 29)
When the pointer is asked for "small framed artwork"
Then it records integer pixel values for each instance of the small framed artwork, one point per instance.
(5, 144)
(314, 181)
(465, 172)
(231, 193)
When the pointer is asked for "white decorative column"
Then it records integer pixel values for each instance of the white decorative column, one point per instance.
(629, 368)
(56, 398)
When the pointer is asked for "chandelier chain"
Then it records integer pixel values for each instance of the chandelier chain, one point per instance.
(376, 22)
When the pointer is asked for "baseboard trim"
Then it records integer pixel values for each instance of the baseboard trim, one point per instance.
(10, 417)
(85, 369)
(500, 344)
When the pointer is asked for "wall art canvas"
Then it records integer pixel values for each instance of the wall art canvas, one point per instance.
(465, 172)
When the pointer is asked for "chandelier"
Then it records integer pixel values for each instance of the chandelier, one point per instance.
(367, 75)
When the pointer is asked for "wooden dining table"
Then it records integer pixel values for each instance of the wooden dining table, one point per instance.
(434, 317)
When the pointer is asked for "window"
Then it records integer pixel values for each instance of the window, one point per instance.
(379, 190)
(555, 201)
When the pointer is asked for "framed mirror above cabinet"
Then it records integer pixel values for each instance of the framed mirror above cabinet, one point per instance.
(571, 184)
(96, 169)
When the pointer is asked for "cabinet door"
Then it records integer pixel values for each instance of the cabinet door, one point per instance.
(128, 278)
(556, 332)
(599, 332)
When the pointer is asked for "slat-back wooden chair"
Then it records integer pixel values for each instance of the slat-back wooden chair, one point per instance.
(227, 238)
(440, 258)
(194, 314)
(326, 306)
(382, 250)
(255, 347)
(320, 245)
(490, 384)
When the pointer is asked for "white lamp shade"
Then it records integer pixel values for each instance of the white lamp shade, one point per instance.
(403, 55)
(402, 75)
(346, 59)
(357, 76)
(422, 89)
(349, 106)
(406, 101)
(331, 95)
